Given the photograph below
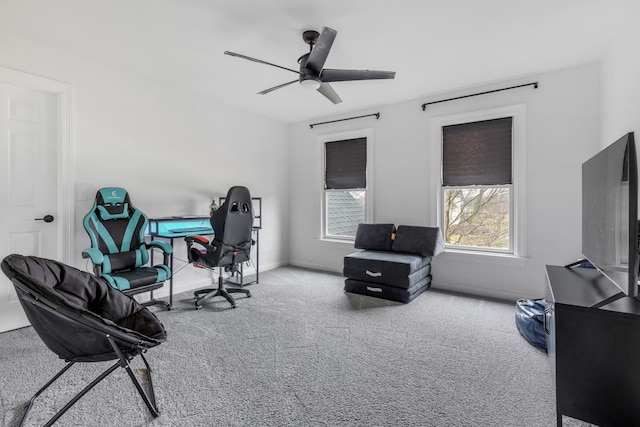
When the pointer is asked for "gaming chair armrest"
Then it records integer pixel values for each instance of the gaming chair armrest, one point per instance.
(203, 246)
(164, 246)
(97, 258)
(201, 240)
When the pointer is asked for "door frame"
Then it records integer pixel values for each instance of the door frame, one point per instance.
(65, 175)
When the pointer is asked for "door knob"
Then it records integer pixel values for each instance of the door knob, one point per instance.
(46, 218)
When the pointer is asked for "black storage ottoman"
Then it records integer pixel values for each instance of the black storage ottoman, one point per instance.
(388, 292)
(395, 264)
(387, 268)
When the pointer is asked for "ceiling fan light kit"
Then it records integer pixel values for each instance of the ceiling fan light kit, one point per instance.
(312, 74)
(312, 84)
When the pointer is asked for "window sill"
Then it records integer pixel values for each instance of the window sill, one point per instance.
(337, 242)
(483, 258)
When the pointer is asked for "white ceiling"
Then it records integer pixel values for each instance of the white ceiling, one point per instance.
(433, 45)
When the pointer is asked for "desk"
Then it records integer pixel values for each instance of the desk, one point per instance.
(183, 226)
(179, 226)
(175, 226)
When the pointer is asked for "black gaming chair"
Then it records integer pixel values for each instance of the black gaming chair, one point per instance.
(82, 319)
(118, 249)
(231, 245)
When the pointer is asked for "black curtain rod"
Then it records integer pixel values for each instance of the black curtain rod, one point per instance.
(342, 120)
(424, 106)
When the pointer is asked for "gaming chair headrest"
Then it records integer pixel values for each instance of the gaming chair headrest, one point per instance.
(238, 200)
(112, 196)
(233, 221)
(112, 203)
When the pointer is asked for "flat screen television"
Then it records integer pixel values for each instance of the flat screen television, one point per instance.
(610, 213)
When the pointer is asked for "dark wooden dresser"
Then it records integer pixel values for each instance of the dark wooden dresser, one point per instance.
(594, 352)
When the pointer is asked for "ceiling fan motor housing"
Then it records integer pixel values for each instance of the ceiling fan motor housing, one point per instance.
(307, 77)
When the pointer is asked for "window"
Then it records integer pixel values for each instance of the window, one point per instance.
(477, 185)
(345, 187)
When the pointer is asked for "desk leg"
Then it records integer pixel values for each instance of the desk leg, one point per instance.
(257, 256)
(171, 278)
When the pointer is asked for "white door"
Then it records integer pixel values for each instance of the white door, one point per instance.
(28, 186)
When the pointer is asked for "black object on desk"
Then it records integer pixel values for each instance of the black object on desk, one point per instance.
(594, 349)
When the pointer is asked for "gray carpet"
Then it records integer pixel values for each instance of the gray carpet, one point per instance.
(301, 352)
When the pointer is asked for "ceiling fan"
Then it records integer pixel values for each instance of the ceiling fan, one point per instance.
(312, 73)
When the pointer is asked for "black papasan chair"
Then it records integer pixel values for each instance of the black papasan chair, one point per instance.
(82, 319)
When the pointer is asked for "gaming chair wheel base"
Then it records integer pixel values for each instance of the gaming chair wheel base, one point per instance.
(204, 294)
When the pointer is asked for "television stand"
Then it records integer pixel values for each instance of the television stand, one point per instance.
(593, 342)
(609, 300)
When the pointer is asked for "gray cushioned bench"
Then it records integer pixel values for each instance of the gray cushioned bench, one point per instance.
(394, 264)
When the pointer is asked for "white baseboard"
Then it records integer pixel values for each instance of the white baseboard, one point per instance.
(452, 287)
(476, 291)
(312, 266)
(202, 278)
(190, 278)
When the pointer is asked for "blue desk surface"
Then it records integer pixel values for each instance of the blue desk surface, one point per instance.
(176, 226)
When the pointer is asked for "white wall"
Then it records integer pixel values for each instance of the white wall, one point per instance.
(172, 150)
(562, 131)
(621, 82)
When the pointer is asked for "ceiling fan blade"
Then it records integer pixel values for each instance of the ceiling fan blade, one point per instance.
(266, 91)
(320, 50)
(329, 75)
(329, 93)
(259, 61)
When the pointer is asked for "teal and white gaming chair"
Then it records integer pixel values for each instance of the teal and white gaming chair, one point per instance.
(118, 249)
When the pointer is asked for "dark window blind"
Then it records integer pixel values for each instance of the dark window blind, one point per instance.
(477, 153)
(346, 164)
